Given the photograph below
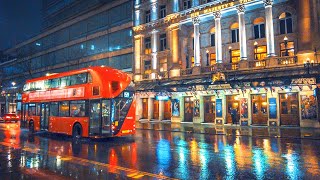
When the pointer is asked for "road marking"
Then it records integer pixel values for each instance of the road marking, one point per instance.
(132, 173)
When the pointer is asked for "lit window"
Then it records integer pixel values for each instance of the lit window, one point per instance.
(213, 60)
(285, 23)
(235, 56)
(147, 66)
(260, 52)
(290, 49)
(147, 44)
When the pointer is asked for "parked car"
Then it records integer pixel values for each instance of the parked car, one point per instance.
(9, 117)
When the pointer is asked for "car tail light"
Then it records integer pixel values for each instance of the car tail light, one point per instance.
(8, 117)
(112, 126)
(18, 117)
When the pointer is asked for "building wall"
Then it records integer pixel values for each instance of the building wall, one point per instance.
(304, 35)
(73, 39)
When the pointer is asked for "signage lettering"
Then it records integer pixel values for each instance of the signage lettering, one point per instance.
(59, 93)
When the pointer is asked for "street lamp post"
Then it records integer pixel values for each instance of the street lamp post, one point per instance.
(230, 53)
(255, 50)
(285, 39)
(207, 51)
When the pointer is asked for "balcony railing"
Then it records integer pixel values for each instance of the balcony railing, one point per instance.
(287, 60)
(186, 71)
(163, 74)
(145, 76)
(209, 69)
(257, 63)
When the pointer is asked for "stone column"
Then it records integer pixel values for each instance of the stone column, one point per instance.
(137, 17)
(218, 40)
(175, 6)
(137, 56)
(242, 32)
(196, 23)
(161, 110)
(175, 45)
(154, 49)
(269, 28)
(154, 11)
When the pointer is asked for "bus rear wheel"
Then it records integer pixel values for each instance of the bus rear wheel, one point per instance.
(31, 127)
(77, 131)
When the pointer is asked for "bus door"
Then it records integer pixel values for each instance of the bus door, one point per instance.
(44, 116)
(106, 125)
(95, 117)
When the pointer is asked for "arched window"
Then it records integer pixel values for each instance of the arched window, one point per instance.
(285, 23)
(212, 37)
(234, 32)
(259, 28)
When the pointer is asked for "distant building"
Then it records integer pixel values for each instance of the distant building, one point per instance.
(76, 34)
(208, 61)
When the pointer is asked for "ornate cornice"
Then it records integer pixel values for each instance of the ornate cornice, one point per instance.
(268, 2)
(217, 14)
(196, 20)
(241, 8)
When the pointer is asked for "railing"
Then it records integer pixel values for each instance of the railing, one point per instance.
(186, 71)
(163, 74)
(287, 60)
(227, 66)
(208, 69)
(257, 63)
(145, 76)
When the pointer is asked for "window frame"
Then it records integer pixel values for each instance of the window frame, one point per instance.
(260, 34)
(212, 39)
(163, 42)
(237, 35)
(285, 20)
(147, 45)
(163, 11)
(147, 16)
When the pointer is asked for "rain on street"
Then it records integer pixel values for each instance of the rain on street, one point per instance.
(152, 154)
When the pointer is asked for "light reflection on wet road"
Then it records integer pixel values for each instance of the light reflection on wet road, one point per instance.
(156, 155)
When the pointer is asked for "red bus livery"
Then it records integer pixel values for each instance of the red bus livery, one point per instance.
(89, 102)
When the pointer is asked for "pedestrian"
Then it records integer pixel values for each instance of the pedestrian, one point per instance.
(234, 115)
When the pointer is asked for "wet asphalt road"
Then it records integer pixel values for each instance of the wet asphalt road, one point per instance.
(155, 155)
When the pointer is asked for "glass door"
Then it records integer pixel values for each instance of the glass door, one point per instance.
(209, 109)
(44, 116)
(95, 117)
(259, 109)
(106, 125)
(188, 109)
(289, 109)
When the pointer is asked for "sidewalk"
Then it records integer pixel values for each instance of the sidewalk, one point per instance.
(234, 130)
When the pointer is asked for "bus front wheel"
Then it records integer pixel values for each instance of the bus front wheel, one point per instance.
(31, 127)
(77, 131)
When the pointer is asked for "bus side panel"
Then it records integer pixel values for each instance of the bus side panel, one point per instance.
(128, 126)
(84, 123)
(36, 122)
(64, 125)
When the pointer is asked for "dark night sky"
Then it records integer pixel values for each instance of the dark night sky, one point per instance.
(19, 20)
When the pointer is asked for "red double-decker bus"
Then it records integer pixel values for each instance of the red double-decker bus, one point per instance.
(89, 102)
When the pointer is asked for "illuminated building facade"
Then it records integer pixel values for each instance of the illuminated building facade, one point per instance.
(250, 62)
(76, 34)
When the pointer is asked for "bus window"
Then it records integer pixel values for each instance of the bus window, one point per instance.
(64, 109)
(89, 78)
(64, 81)
(55, 83)
(77, 108)
(32, 110)
(38, 109)
(54, 109)
(78, 79)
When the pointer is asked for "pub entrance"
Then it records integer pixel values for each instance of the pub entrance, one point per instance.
(289, 109)
(167, 110)
(155, 109)
(144, 108)
(209, 109)
(259, 109)
(188, 109)
(233, 107)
